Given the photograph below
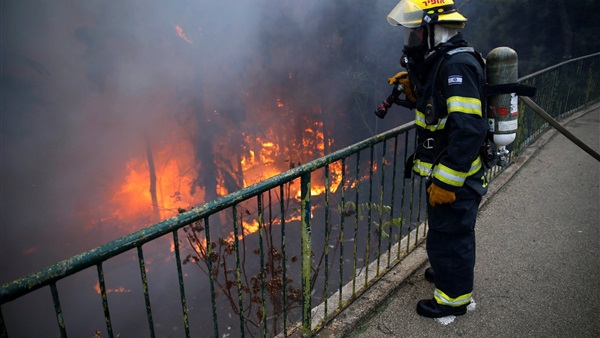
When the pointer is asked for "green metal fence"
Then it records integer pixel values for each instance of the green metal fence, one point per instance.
(280, 257)
(561, 90)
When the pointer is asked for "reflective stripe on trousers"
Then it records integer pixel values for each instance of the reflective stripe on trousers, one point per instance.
(444, 299)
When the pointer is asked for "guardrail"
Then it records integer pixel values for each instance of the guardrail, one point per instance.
(242, 244)
(256, 261)
(561, 90)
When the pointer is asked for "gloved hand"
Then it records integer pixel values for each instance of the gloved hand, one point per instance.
(402, 78)
(438, 195)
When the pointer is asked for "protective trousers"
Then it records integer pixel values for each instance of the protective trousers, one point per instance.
(451, 247)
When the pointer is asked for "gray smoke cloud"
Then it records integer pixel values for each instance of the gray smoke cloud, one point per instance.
(87, 84)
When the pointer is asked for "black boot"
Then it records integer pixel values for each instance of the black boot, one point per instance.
(431, 309)
(429, 275)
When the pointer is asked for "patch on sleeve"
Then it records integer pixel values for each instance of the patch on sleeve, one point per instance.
(455, 80)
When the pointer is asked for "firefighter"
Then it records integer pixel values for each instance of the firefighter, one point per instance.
(444, 84)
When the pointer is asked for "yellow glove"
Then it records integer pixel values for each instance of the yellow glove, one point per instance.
(402, 78)
(439, 195)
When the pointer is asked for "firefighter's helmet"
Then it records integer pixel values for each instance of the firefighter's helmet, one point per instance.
(416, 13)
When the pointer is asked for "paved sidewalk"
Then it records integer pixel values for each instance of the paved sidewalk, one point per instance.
(538, 253)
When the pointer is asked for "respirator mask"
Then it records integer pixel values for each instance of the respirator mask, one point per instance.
(415, 44)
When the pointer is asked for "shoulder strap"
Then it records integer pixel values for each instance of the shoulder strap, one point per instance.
(460, 50)
(471, 50)
(449, 53)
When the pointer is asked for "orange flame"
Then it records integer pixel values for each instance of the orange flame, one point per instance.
(175, 177)
(267, 158)
(264, 155)
(182, 34)
(117, 290)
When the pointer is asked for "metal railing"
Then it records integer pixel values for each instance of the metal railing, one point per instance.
(255, 279)
(255, 262)
(561, 90)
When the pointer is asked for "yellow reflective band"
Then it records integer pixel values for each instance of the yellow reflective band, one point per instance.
(420, 121)
(454, 177)
(422, 168)
(475, 166)
(449, 176)
(465, 105)
(443, 298)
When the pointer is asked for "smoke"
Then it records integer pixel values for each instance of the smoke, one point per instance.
(87, 85)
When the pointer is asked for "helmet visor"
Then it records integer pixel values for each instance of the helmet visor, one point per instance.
(406, 14)
(414, 37)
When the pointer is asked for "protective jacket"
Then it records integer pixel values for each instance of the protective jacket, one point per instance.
(449, 85)
(451, 129)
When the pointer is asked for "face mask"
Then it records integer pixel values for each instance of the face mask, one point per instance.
(414, 37)
(415, 44)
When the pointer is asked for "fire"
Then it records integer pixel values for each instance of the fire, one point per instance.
(175, 176)
(253, 226)
(182, 34)
(265, 158)
(117, 290)
(250, 228)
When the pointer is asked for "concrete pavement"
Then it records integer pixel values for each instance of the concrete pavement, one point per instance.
(538, 254)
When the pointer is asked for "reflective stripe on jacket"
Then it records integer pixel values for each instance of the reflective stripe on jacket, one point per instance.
(452, 116)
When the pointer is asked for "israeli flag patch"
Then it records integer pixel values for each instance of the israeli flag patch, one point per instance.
(454, 80)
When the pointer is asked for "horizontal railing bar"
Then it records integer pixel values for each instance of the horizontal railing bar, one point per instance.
(44, 277)
(545, 70)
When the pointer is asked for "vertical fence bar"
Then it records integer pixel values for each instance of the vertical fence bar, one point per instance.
(186, 323)
(146, 292)
(209, 254)
(306, 254)
(591, 82)
(263, 305)
(58, 310)
(272, 254)
(392, 223)
(341, 239)
(283, 260)
(369, 217)
(381, 207)
(326, 286)
(356, 217)
(109, 329)
(238, 270)
(403, 198)
(411, 203)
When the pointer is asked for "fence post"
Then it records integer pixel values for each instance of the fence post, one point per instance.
(3, 333)
(306, 254)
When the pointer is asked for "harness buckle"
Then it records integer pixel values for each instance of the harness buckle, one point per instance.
(428, 144)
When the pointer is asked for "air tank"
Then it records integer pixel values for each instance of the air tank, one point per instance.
(502, 110)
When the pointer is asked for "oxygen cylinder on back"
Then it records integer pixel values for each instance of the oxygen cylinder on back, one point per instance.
(502, 109)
